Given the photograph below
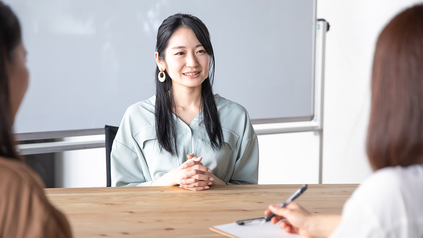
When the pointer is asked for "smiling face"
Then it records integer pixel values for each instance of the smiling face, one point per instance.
(186, 61)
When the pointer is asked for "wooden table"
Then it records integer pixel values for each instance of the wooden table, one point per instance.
(174, 212)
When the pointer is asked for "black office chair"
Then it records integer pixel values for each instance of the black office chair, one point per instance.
(110, 132)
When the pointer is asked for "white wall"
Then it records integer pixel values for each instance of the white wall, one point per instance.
(293, 158)
(81, 168)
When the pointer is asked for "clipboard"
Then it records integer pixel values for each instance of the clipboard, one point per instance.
(252, 230)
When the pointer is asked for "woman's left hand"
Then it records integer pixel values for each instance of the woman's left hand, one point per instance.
(195, 179)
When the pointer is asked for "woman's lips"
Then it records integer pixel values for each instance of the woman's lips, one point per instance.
(191, 73)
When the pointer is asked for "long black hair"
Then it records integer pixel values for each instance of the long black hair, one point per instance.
(10, 37)
(165, 103)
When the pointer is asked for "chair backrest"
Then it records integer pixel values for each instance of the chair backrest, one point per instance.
(110, 133)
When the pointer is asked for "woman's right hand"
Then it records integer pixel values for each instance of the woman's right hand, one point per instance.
(195, 175)
(296, 218)
(190, 175)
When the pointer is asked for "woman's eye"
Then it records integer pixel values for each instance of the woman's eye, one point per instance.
(201, 51)
(180, 53)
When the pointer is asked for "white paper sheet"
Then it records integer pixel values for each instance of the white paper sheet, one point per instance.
(255, 229)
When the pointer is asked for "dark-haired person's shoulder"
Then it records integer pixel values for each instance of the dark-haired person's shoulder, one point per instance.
(229, 106)
(24, 209)
(142, 108)
(140, 114)
(234, 117)
(14, 171)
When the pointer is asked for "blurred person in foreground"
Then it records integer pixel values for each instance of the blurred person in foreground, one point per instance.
(24, 208)
(389, 203)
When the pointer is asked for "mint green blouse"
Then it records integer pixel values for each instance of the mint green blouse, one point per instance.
(136, 158)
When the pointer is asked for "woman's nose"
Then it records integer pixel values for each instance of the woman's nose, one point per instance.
(191, 60)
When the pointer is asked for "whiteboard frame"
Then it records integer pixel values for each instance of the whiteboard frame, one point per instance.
(63, 127)
(316, 124)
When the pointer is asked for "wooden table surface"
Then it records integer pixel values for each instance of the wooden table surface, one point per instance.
(174, 212)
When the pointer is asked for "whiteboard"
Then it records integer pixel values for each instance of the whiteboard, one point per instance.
(91, 59)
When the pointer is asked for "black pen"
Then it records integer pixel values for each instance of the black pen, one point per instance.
(290, 199)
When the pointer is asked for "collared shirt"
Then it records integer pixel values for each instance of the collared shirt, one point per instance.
(387, 204)
(136, 158)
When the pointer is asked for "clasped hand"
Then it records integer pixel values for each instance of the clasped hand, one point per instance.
(191, 175)
(194, 175)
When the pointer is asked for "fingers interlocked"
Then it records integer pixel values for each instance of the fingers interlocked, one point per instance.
(195, 176)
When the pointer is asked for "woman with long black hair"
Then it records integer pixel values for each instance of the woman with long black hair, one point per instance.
(185, 135)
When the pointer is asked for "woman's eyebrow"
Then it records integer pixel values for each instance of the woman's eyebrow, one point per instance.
(182, 47)
(178, 47)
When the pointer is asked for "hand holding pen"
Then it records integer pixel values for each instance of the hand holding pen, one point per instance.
(294, 218)
(290, 199)
(293, 215)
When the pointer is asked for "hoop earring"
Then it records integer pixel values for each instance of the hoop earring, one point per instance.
(162, 76)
